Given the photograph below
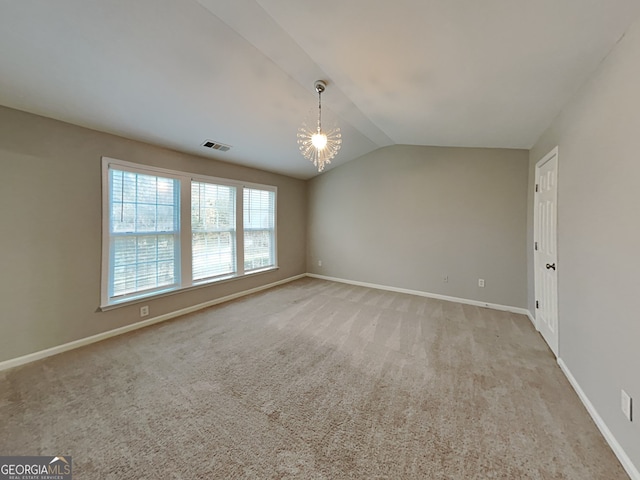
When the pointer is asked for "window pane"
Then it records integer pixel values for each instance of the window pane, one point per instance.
(123, 217)
(147, 249)
(124, 251)
(166, 192)
(147, 275)
(147, 189)
(257, 248)
(259, 228)
(166, 248)
(258, 209)
(213, 254)
(166, 218)
(141, 206)
(141, 263)
(124, 280)
(166, 273)
(213, 221)
(145, 218)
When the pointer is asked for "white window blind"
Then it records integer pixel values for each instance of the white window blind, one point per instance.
(213, 229)
(144, 232)
(259, 228)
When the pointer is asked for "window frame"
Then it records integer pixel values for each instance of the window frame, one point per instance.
(272, 249)
(234, 233)
(184, 257)
(113, 236)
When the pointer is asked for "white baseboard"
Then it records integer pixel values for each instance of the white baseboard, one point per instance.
(494, 306)
(32, 357)
(533, 320)
(624, 459)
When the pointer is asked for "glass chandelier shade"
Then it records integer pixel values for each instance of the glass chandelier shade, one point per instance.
(317, 144)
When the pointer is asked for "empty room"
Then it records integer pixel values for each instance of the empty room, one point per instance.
(268, 239)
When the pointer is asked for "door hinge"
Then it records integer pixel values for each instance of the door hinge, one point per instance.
(535, 245)
(537, 187)
(537, 304)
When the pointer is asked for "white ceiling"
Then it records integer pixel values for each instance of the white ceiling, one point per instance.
(490, 73)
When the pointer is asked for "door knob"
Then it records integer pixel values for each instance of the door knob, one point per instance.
(551, 266)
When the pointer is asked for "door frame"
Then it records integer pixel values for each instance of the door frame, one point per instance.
(539, 164)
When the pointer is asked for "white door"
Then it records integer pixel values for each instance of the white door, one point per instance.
(545, 249)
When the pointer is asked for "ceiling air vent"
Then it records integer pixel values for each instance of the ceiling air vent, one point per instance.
(216, 145)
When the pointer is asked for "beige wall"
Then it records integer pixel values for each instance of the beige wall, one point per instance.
(405, 216)
(50, 212)
(598, 134)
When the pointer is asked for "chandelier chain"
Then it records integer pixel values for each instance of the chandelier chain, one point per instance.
(319, 110)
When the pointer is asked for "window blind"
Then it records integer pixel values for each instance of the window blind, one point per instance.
(144, 232)
(259, 228)
(213, 229)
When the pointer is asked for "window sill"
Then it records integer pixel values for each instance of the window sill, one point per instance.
(167, 293)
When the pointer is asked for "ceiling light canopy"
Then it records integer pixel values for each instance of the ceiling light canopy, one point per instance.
(316, 144)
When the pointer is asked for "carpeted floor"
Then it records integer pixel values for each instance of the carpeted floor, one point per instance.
(310, 380)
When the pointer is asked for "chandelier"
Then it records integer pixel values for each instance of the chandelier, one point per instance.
(317, 144)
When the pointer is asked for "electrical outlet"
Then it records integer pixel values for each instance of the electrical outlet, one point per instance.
(626, 405)
(481, 282)
(319, 263)
(144, 311)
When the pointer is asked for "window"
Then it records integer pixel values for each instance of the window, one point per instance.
(259, 228)
(165, 230)
(144, 233)
(213, 230)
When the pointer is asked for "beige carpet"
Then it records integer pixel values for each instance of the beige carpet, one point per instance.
(310, 380)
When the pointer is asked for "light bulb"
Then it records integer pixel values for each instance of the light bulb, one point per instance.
(319, 140)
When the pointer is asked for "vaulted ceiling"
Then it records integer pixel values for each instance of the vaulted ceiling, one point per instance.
(490, 73)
